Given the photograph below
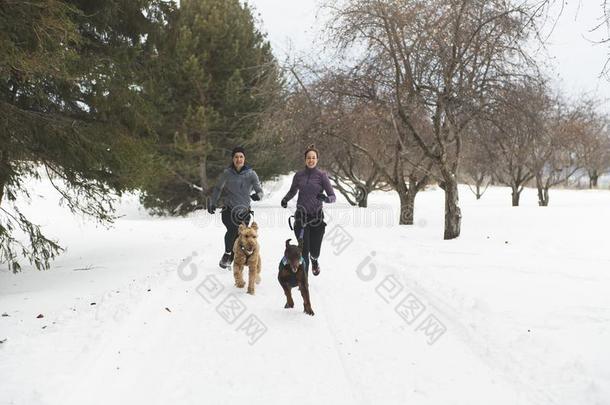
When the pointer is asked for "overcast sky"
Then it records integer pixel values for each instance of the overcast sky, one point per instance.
(575, 62)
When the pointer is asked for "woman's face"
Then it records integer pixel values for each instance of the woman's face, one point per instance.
(311, 159)
(239, 160)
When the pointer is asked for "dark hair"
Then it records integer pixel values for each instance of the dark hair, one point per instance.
(310, 148)
(238, 149)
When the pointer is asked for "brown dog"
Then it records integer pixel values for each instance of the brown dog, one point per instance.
(246, 251)
(292, 273)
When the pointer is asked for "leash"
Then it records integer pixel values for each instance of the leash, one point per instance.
(305, 223)
(300, 237)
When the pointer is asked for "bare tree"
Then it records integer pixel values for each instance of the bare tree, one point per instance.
(353, 121)
(510, 137)
(593, 142)
(553, 156)
(478, 166)
(346, 114)
(352, 180)
(439, 58)
(402, 166)
(354, 174)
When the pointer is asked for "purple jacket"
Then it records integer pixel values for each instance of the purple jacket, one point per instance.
(309, 183)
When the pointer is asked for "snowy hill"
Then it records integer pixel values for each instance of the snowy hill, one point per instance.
(516, 311)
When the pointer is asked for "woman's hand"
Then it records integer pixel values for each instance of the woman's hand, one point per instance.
(284, 203)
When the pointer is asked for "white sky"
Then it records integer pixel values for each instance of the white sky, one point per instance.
(573, 60)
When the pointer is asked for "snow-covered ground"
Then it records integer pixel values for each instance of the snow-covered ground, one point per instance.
(516, 311)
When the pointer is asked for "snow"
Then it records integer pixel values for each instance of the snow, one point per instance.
(515, 311)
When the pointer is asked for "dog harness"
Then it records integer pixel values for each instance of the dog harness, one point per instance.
(248, 255)
(285, 263)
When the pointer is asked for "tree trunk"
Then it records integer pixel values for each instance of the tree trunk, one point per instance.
(1, 191)
(453, 214)
(361, 194)
(479, 183)
(407, 208)
(543, 197)
(407, 204)
(3, 174)
(515, 194)
(543, 192)
(593, 176)
(203, 175)
(364, 200)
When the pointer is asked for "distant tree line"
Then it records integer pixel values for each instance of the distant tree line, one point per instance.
(439, 92)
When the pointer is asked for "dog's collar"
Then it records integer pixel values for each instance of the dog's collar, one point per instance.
(285, 262)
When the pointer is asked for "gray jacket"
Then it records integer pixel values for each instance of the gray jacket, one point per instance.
(236, 187)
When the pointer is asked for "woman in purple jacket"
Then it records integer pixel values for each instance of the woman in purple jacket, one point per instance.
(311, 183)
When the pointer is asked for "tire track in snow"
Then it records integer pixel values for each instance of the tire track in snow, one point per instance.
(358, 395)
(491, 355)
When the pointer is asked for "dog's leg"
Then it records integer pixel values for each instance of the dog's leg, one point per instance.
(258, 271)
(238, 270)
(287, 292)
(305, 294)
(251, 277)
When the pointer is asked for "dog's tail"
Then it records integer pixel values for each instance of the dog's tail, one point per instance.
(288, 242)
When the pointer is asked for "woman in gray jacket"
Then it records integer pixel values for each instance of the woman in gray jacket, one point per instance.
(236, 184)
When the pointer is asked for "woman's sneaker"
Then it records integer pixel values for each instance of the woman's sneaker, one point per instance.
(315, 266)
(226, 260)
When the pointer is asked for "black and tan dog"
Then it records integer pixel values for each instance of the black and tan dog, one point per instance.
(292, 274)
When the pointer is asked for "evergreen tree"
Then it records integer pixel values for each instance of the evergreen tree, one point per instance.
(71, 106)
(215, 81)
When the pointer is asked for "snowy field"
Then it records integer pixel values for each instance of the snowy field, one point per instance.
(516, 311)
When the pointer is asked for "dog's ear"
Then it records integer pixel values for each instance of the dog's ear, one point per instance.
(301, 244)
(288, 242)
(254, 226)
(241, 228)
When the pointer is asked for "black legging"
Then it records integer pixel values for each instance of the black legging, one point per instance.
(312, 235)
(231, 218)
